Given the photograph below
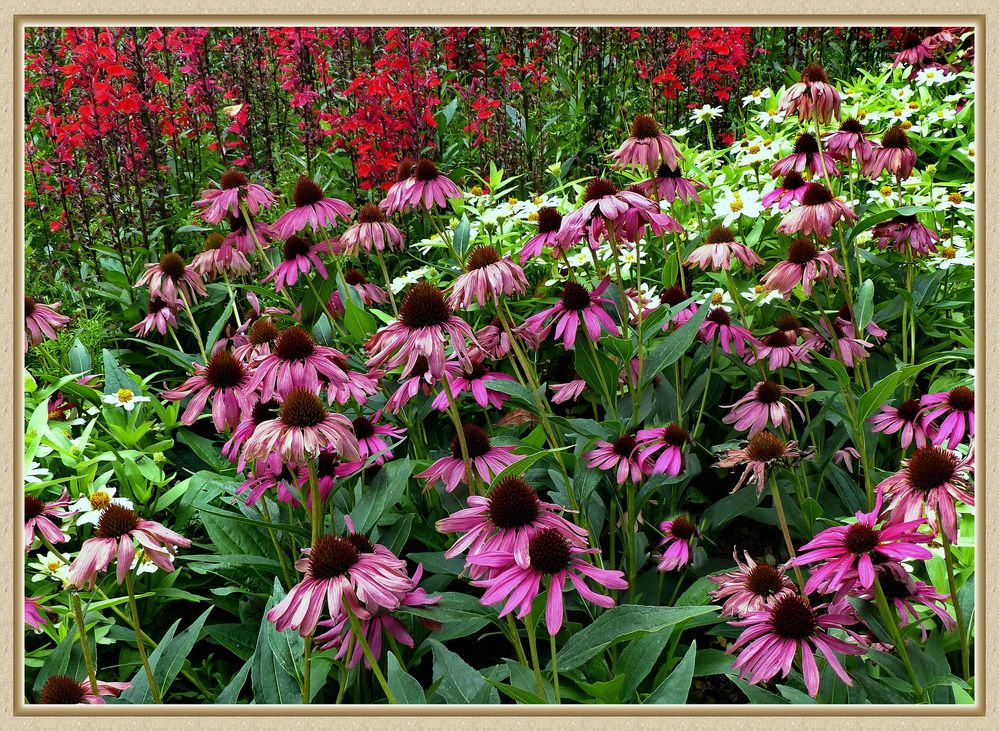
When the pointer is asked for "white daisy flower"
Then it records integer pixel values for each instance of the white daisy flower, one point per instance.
(731, 205)
(409, 279)
(756, 96)
(124, 398)
(902, 93)
(886, 194)
(954, 252)
(34, 472)
(720, 297)
(50, 567)
(954, 201)
(680, 132)
(91, 506)
(934, 77)
(760, 295)
(767, 116)
(705, 114)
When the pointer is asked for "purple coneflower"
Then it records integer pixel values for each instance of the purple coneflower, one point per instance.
(240, 236)
(160, 316)
(425, 324)
(894, 155)
(907, 418)
(750, 587)
(428, 187)
(252, 416)
(549, 223)
(474, 376)
(927, 485)
(678, 535)
(576, 305)
(780, 349)
(493, 340)
(486, 460)
(419, 379)
(302, 428)
(64, 690)
(791, 190)
(818, 212)
(805, 264)
(812, 97)
(846, 347)
(763, 451)
(38, 515)
(905, 234)
(261, 337)
(646, 146)
(312, 208)
(371, 437)
(848, 552)
(370, 294)
(914, 51)
(718, 324)
(41, 321)
(392, 202)
(717, 251)
(487, 276)
(905, 593)
(570, 391)
(763, 405)
(371, 232)
(300, 256)
(806, 156)
(602, 202)
(171, 278)
(34, 613)
(224, 380)
(957, 406)
(505, 521)
(670, 441)
(787, 628)
(848, 141)
(630, 226)
(621, 457)
(673, 297)
(669, 184)
(551, 557)
(234, 187)
(297, 361)
(117, 530)
(342, 578)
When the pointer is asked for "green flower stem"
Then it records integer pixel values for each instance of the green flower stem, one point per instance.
(81, 628)
(958, 613)
(307, 671)
(779, 507)
(176, 342)
(232, 298)
(532, 642)
(558, 695)
(388, 282)
(265, 516)
(628, 523)
(355, 625)
(194, 325)
(452, 409)
(153, 690)
(888, 617)
(518, 646)
(707, 383)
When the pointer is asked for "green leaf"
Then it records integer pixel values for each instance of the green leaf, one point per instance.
(638, 659)
(230, 694)
(457, 681)
(674, 346)
(389, 485)
(881, 391)
(236, 637)
(115, 378)
(619, 624)
(270, 680)
(166, 662)
(183, 360)
(404, 686)
(79, 357)
(731, 506)
(863, 308)
(462, 234)
(517, 694)
(213, 334)
(675, 688)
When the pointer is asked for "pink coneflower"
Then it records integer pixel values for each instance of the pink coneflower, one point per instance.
(957, 406)
(473, 376)
(780, 349)
(805, 264)
(646, 146)
(780, 631)
(340, 577)
(791, 190)
(329, 469)
(486, 460)
(763, 405)
(160, 316)
(678, 534)
(846, 348)
(505, 521)
(252, 416)
(487, 276)
(844, 457)
(718, 324)
(234, 187)
(630, 226)
(340, 634)
(34, 613)
(905, 593)
(669, 184)
(576, 305)
(848, 141)
(670, 441)
(38, 515)
(907, 418)
(570, 391)
(551, 557)
(806, 156)
(171, 278)
(269, 474)
(673, 297)
(549, 223)
(428, 187)
(602, 202)
(370, 294)
(297, 361)
(224, 381)
(717, 251)
(371, 438)
(392, 202)
(894, 155)
(813, 97)
(750, 587)
(312, 208)
(41, 321)
(818, 212)
(420, 379)
(763, 451)
(117, 530)
(493, 340)
(927, 485)
(914, 51)
(300, 256)
(241, 238)
(261, 337)
(848, 552)
(371, 232)
(905, 234)
(64, 690)
(303, 428)
(620, 456)
(424, 326)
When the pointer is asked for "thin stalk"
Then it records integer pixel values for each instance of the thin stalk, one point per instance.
(532, 642)
(958, 613)
(779, 507)
(388, 282)
(890, 624)
(153, 689)
(194, 325)
(81, 628)
(558, 695)
(355, 625)
(452, 409)
(518, 646)
(707, 383)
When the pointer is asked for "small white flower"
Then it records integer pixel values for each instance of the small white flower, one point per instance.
(408, 279)
(647, 294)
(34, 472)
(720, 297)
(767, 116)
(731, 205)
(50, 567)
(756, 96)
(91, 506)
(760, 295)
(902, 93)
(705, 114)
(885, 194)
(124, 398)
(967, 189)
(953, 253)
(970, 151)
(680, 132)
(954, 200)
(934, 77)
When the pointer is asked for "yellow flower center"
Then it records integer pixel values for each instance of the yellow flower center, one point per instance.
(754, 149)
(885, 190)
(54, 565)
(539, 200)
(971, 152)
(913, 105)
(756, 93)
(906, 125)
(955, 198)
(772, 112)
(124, 395)
(513, 201)
(948, 252)
(533, 216)
(99, 500)
(930, 75)
(717, 298)
(861, 114)
(897, 113)
(477, 190)
(759, 289)
(767, 142)
(736, 205)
